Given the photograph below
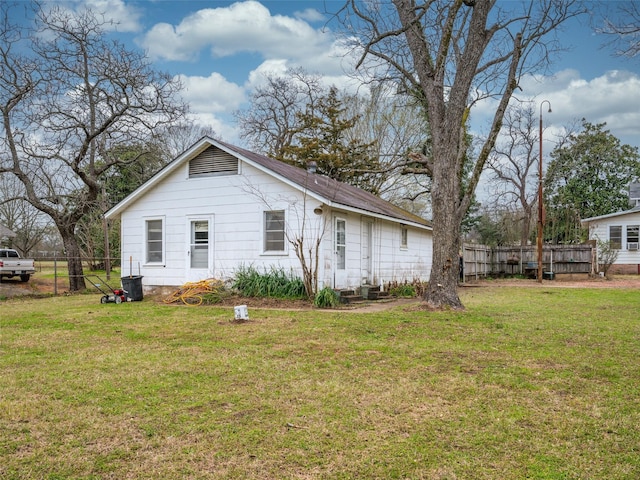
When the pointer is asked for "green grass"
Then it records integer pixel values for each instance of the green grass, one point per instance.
(538, 383)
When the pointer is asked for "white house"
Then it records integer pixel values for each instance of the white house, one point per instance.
(218, 207)
(622, 229)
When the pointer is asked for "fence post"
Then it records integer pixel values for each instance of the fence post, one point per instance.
(55, 275)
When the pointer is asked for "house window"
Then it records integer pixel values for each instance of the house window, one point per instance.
(274, 231)
(404, 236)
(341, 244)
(633, 237)
(615, 236)
(154, 241)
(213, 161)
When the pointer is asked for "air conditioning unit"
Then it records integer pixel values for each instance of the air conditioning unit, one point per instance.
(632, 246)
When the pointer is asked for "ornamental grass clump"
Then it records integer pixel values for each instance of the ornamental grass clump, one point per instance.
(273, 283)
(404, 291)
(326, 298)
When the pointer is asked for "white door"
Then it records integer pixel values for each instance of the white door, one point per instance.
(340, 253)
(200, 249)
(366, 250)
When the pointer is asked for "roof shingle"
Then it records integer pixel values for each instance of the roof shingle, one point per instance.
(336, 192)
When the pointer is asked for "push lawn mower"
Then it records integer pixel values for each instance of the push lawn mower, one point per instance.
(112, 295)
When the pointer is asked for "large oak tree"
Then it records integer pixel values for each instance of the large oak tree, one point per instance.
(69, 96)
(450, 54)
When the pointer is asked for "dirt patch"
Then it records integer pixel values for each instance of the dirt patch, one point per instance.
(299, 305)
(44, 287)
(13, 287)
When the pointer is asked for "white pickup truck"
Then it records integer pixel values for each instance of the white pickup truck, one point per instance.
(11, 265)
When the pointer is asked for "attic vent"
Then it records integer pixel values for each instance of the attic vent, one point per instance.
(213, 161)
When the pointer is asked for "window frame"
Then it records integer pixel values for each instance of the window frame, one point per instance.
(266, 233)
(161, 240)
(634, 237)
(404, 237)
(196, 242)
(340, 245)
(615, 244)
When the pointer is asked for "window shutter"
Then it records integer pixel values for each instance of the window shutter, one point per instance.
(213, 161)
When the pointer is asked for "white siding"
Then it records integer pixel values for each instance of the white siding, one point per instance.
(398, 263)
(599, 230)
(390, 262)
(236, 205)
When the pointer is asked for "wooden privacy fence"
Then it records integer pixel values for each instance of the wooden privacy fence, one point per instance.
(480, 261)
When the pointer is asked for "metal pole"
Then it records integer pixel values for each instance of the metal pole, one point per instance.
(540, 201)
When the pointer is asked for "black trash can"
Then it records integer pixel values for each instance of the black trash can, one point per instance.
(132, 285)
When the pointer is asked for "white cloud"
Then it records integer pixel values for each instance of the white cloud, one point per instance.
(612, 97)
(211, 94)
(126, 18)
(246, 27)
(223, 130)
(276, 67)
(310, 15)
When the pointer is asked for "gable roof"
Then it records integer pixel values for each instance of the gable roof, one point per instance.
(611, 215)
(5, 232)
(324, 189)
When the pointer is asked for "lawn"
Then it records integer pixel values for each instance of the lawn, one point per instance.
(540, 383)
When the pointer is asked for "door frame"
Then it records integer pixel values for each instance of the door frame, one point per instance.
(366, 251)
(340, 275)
(195, 274)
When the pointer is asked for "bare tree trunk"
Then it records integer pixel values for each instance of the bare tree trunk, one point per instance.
(526, 226)
(442, 290)
(74, 260)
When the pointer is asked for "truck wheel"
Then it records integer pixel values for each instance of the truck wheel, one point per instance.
(25, 277)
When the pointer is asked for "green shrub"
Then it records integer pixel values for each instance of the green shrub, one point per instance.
(406, 290)
(215, 297)
(326, 298)
(275, 283)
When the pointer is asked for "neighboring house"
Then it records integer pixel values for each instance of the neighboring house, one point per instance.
(218, 207)
(622, 229)
(5, 235)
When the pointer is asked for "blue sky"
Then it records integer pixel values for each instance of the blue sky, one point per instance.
(220, 49)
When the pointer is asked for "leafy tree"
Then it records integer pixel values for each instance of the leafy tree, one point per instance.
(68, 97)
(588, 176)
(496, 227)
(321, 137)
(450, 54)
(290, 109)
